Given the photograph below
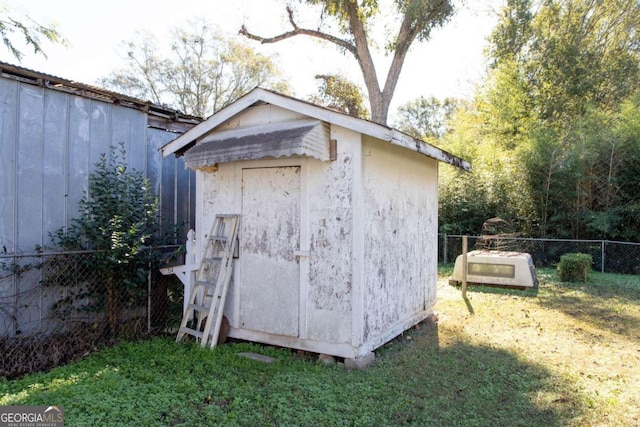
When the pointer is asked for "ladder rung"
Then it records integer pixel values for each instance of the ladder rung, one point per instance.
(198, 307)
(217, 261)
(206, 284)
(192, 332)
(211, 259)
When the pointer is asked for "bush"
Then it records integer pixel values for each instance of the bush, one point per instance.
(118, 219)
(574, 267)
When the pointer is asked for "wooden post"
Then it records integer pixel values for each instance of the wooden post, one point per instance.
(464, 266)
(445, 248)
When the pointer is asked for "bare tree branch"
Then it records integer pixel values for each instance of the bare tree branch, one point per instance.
(297, 31)
(419, 17)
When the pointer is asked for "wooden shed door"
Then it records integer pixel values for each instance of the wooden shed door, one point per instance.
(269, 235)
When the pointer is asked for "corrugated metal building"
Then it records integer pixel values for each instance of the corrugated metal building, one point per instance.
(52, 132)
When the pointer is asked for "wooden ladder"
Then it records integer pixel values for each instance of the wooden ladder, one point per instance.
(212, 282)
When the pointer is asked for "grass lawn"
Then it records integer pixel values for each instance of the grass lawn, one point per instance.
(568, 354)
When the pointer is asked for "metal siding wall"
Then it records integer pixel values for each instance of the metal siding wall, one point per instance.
(138, 140)
(54, 168)
(8, 134)
(8, 137)
(99, 131)
(29, 210)
(171, 179)
(121, 130)
(79, 137)
(168, 197)
(155, 140)
(29, 167)
(50, 142)
(182, 202)
(54, 194)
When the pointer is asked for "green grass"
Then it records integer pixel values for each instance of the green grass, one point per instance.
(565, 355)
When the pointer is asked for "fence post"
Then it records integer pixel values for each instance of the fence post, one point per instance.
(602, 256)
(464, 266)
(149, 298)
(444, 250)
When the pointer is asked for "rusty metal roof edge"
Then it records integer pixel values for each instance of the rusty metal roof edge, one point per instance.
(261, 95)
(49, 81)
(404, 140)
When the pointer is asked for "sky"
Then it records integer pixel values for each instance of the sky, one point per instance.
(448, 65)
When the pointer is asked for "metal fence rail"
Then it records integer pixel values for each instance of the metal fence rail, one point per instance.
(608, 256)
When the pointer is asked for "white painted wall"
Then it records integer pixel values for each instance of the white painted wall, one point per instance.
(331, 222)
(400, 222)
(260, 115)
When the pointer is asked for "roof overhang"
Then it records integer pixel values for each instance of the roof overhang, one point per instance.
(301, 138)
(259, 95)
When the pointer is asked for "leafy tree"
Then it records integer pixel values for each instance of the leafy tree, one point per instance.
(204, 72)
(492, 188)
(339, 93)
(352, 22)
(554, 120)
(118, 218)
(571, 53)
(426, 118)
(510, 38)
(30, 30)
(626, 130)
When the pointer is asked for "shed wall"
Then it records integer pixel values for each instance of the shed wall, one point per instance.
(220, 192)
(331, 223)
(216, 194)
(49, 143)
(326, 234)
(400, 220)
(260, 115)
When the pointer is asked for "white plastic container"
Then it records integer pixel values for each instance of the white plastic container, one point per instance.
(497, 268)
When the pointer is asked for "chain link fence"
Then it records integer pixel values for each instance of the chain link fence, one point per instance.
(53, 308)
(608, 256)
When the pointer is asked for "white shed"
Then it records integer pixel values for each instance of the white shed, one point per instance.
(338, 228)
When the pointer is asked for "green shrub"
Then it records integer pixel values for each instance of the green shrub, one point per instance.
(118, 219)
(574, 267)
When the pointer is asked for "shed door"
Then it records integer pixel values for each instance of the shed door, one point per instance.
(270, 233)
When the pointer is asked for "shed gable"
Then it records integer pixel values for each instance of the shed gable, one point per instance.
(259, 96)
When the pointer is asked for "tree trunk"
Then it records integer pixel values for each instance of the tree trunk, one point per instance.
(379, 99)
